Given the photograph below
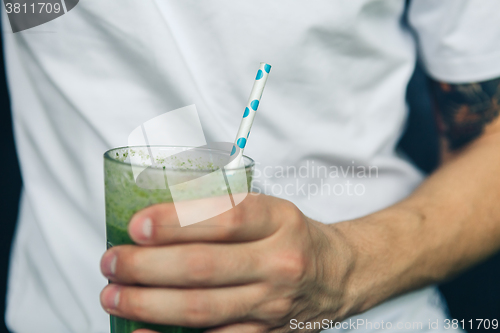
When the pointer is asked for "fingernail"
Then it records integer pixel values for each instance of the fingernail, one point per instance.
(111, 297)
(147, 228)
(112, 265)
(108, 265)
(141, 229)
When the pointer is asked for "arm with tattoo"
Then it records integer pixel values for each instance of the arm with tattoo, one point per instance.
(277, 264)
(465, 110)
(449, 223)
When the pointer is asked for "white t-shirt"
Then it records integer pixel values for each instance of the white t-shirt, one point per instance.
(335, 101)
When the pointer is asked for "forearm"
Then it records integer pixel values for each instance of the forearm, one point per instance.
(449, 223)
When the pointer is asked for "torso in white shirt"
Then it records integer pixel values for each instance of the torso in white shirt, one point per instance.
(80, 84)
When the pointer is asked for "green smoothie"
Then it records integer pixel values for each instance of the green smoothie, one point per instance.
(135, 180)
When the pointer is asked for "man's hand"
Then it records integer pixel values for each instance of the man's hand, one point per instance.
(257, 266)
(251, 269)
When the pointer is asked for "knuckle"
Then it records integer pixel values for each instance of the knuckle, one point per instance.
(233, 220)
(293, 214)
(279, 308)
(132, 303)
(129, 263)
(200, 264)
(291, 266)
(165, 215)
(228, 233)
(198, 309)
(236, 218)
(253, 199)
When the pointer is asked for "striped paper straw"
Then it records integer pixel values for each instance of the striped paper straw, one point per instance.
(249, 114)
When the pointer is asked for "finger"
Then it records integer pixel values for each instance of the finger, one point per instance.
(186, 265)
(250, 220)
(240, 328)
(182, 307)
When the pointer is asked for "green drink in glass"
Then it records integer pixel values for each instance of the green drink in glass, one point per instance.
(138, 177)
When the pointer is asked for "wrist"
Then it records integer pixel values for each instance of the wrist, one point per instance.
(381, 251)
(336, 259)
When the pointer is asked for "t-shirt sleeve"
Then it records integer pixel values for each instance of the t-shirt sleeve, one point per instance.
(459, 40)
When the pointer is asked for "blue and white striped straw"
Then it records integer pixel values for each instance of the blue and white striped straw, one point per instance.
(249, 114)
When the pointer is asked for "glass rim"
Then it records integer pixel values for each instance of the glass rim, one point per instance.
(107, 155)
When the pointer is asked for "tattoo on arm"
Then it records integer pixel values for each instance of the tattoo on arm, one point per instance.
(464, 110)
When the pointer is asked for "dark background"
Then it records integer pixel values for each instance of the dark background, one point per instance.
(474, 294)
(10, 185)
